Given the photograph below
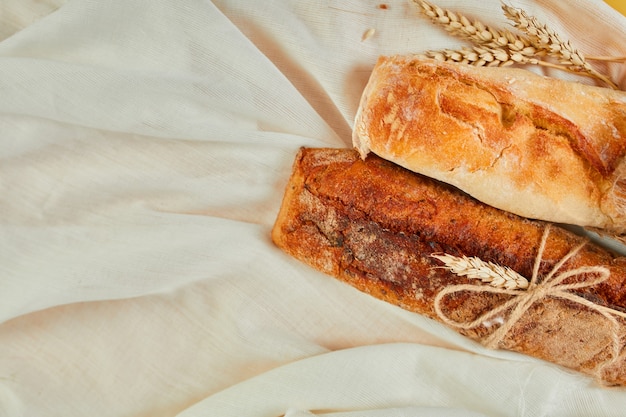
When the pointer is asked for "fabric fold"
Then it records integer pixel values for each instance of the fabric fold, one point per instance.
(144, 151)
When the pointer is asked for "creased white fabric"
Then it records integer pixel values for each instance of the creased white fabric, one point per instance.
(144, 150)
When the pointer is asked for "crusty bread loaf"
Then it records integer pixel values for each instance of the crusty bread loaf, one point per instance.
(375, 226)
(538, 147)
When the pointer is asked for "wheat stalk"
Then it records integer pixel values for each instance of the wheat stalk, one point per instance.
(490, 57)
(459, 25)
(480, 56)
(545, 39)
(502, 47)
(619, 59)
(475, 268)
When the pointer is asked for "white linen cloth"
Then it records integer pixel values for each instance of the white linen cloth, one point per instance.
(144, 150)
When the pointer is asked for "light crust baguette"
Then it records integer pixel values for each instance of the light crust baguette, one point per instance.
(375, 225)
(538, 147)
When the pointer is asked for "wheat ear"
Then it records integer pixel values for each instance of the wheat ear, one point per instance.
(545, 39)
(490, 57)
(481, 56)
(459, 25)
(475, 268)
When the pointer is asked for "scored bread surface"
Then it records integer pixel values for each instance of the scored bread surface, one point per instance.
(538, 147)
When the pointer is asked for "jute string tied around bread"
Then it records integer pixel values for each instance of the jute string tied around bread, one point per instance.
(551, 285)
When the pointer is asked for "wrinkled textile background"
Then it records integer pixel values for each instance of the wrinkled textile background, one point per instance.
(144, 149)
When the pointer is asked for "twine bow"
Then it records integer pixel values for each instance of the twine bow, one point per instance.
(550, 286)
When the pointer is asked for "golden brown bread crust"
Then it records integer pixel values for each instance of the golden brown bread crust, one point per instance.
(538, 147)
(374, 225)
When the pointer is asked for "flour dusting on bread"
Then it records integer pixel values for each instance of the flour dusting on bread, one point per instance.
(538, 147)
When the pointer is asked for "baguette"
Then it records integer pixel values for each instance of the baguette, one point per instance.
(538, 147)
(379, 228)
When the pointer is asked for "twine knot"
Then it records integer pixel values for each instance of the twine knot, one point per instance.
(551, 285)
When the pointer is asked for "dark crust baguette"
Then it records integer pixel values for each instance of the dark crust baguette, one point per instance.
(374, 225)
